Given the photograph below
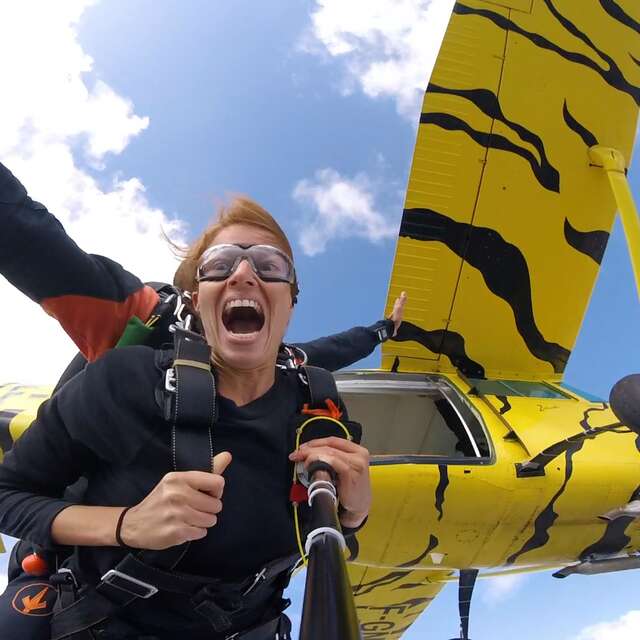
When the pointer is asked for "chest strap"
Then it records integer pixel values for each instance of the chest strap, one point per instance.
(321, 386)
(190, 406)
(190, 402)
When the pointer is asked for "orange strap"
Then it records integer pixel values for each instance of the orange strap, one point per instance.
(332, 410)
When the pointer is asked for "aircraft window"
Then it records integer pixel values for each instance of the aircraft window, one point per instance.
(412, 417)
(519, 388)
(583, 394)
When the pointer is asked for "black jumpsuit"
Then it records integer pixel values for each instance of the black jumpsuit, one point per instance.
(116, 435)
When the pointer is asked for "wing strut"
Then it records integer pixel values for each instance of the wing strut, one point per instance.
(466, 582)
(613, 162)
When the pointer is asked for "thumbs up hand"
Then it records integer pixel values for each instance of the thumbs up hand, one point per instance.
(181, 507)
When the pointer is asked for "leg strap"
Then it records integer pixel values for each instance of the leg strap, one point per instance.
(220, 604)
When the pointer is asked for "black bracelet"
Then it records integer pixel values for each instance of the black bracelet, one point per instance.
(119, 539)
(348, 531)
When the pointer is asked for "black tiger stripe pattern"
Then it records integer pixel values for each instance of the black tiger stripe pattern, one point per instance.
(546, 175)
(542, 459)
(548, 516)
(449, 343)
(615, 538)
(489, 104)
(400, 607)
(441, 489)
(394, 576)
(584, 423)
(610, 73)
(506, 405)
(591, 243)
(502, 266)
(587, 137)
(619, 14)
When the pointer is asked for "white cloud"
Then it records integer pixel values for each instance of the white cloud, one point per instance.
(501, 588)
(627, 627)
(51, 119)
(339, 207)
(388, 47)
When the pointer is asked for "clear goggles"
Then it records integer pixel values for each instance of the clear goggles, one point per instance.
(270, 264)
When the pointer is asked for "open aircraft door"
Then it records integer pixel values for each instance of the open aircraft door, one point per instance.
(433, 473)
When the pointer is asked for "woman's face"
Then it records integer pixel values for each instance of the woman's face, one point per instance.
(250, 338)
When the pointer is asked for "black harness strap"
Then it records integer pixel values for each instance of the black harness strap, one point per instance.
(322, 386)
(193, 411)
(191, 403)
(135, 578)
(191, 406)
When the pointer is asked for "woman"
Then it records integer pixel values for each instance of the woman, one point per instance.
(94, 298)
(107, 424)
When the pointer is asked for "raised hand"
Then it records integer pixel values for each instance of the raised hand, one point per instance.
(398, 311)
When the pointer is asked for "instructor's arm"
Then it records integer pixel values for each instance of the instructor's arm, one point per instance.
(92, 297)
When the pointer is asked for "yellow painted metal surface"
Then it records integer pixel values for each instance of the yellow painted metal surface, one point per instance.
(18, 406)
(505, 218)
(613, 163)
(430, 519)
(389, 601)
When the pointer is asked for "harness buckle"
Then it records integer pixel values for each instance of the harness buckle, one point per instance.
(182, 312)
(129, 584)
(218, 608)
(259, 577)
(68, 576)
(170, 380)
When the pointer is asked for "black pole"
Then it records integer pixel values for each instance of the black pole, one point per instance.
(329, 610)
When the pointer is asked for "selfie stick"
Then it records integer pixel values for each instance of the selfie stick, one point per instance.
(329, 610)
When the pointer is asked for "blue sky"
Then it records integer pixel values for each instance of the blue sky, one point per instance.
(187, 101)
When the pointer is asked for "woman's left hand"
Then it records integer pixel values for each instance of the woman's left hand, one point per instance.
(350, 461)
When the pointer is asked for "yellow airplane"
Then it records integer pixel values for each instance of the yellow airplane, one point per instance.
(484, 462)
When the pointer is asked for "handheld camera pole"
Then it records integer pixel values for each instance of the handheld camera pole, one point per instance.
(328, 610)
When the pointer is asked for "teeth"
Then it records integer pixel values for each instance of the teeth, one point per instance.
(243, 303)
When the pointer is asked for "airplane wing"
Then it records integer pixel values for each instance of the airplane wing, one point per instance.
(388, 601)
(505, 221)
(18, 407)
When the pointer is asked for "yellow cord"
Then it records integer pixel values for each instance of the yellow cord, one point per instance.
(296, 518)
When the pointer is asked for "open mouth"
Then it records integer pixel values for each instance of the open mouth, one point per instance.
(243, 316)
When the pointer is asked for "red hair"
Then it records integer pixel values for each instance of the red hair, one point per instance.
(241, 210)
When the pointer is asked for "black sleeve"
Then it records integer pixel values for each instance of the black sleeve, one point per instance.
(342, 349)
(86, 425)
(91, 296)
(34, 244)
(35, 472)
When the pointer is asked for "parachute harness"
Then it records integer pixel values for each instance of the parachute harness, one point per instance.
(300, 488)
